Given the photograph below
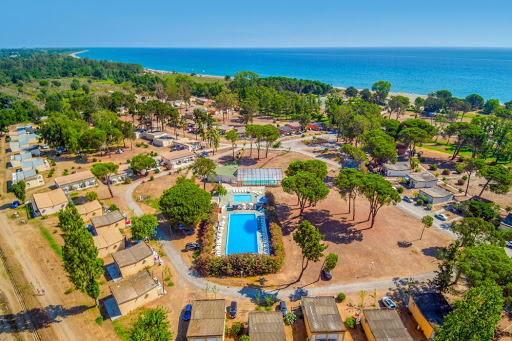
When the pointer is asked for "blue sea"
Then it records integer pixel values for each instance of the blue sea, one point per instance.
(463, 71)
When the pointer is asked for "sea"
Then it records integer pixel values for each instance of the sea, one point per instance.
(463, 71)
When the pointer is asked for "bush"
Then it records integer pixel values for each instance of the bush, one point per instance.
(461, 182)
(341, 297)
(91, 196)
(432, 167)
(350, 322)
(436, 175)
(459, 167)
(289, 318)
(429, 207)
(236, 328)
(53, 163)
(422, 159)
(99, 320)
(446, 171)
(244, 338)
(69, 291)
(444, 178)
(400, 190)
(128, 180)
(157, 171)
(94, 159)
(267, 308)
(419, 202)
(151, 178)
(464, 177)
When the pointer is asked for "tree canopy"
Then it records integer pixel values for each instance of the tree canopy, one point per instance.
(151, 325)
(308, 187)
(144, 226)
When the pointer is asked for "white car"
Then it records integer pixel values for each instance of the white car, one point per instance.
(388, 302)
(441, 216)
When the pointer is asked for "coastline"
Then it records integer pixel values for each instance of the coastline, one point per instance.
(74, 54)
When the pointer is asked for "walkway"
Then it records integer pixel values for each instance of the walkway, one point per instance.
(291, 292)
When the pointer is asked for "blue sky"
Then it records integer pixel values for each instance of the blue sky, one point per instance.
(262, 23)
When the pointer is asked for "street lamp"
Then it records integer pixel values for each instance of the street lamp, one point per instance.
(371, 268)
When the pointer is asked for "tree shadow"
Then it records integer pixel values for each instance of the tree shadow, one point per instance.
(431, 251)
(40, 318)
(335, 230)
(404, 244)
(298, 294)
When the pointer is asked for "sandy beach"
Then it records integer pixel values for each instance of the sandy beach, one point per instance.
(74, 54)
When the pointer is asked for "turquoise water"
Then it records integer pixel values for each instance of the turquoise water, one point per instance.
(242, 198)
(242, 233)
(463, 71)
(259, 182)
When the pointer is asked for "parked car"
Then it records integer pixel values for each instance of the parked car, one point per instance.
(119, 151)
(232, 310)
(509, 244)
(388, 302)
(60, 150)
(441, 216)
(189, 232)
(327, 274)
(15, 204)
(407, 199)
(181, 227)
(192, 246)
(284, 310)
(188, 312)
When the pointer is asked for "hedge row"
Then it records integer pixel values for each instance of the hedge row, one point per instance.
(251, 264)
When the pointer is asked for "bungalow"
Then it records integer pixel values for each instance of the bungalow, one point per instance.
(110, 221)
(123, 172)
(203, 101)
(186, 143)
(163, 141)
(133, 259)
(140, 133)
(264, 326)
(507, 222)
(30, 138)
(285, 130)
(49, 202)
(316, 126)
(76, 181)
(189, 115)
(436, 195)
(16, 159)
(154, 134)
(223, 129)
(295, 126)
(323, 320)
(30, 177)
(108, 241)
(89, 210)
(34, 150)
(396, 169)
(384, 325)
(208, 320)
(135, 291)
(423, 180)
(39, 164)
(429, 310)
(16, 146)
(178, 159)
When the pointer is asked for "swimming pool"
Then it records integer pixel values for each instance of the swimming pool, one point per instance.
(242, 233)
(242, 198)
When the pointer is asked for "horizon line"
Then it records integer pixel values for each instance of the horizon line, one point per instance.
(260, 47)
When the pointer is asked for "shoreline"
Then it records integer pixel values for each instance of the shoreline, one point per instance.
(74, 54)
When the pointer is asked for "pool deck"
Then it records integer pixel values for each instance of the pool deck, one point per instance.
(257, 193)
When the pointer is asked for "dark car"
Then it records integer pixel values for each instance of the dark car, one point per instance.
(232, 310)
(188, 232)
(15, 204)
(327, 274)
(192, 246)
(284, 310)
(188, 312)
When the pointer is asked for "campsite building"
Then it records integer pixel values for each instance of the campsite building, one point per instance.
(48, 202)
(110, 221)
(423, 180)
(89, 210)
(178, 159)
(133, 259)
(429, 310)
(135, 291)
(323, 320)
(76, 181)
(384, 325)
(436, 195)
(266, 326)
(396, 169)
(207, 321)
(108, 241)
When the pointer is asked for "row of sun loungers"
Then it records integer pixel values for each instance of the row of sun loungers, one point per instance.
(218, 238)
(264, 234)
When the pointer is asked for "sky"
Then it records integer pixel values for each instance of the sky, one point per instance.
(261, 23)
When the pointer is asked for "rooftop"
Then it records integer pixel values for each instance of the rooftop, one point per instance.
(508, 220)
(266, 326)
(399, 166)
(107, 219)
(185, 140)
(88, 207)
(226, 127)
(435, 192)
(284, 128)
(248, 174)
(322, 314)
(433, 306)
(68, 179)
(18, 176)
(50, 199)
(423, 177)
(177, 154)
(132, 255)
(226, 170)
(386, 325)
(32, 163)
(208, 318)
(107, 238)
(21, 156)
(133, 287)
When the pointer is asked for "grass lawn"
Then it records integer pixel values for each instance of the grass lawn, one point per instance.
(449, 148)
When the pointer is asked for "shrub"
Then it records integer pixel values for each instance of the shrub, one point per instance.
(461, 182)
(436, 175)
(461, 190)
(94, 159)
(419, 202)
(69, 291)
(151, 178)
(400, 190)
(422, 159)
(99, 320)
(429, 207)
(444, 178)
(128, 180)
(91, 196)
(459, 167)
(290, 318)
(244, 338)
(464, 177)
(157, 171)
(341, 297)
(446, 171)
(267, 308)
(53, 163)
(236, 328)
(350, 322)
(432, 167)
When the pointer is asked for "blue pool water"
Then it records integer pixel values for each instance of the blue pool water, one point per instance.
(242, 198)
(242, 233)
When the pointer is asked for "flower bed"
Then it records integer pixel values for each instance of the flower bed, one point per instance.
(252, 264)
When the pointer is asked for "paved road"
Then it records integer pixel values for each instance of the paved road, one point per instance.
(419, 212)
(292, 291)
